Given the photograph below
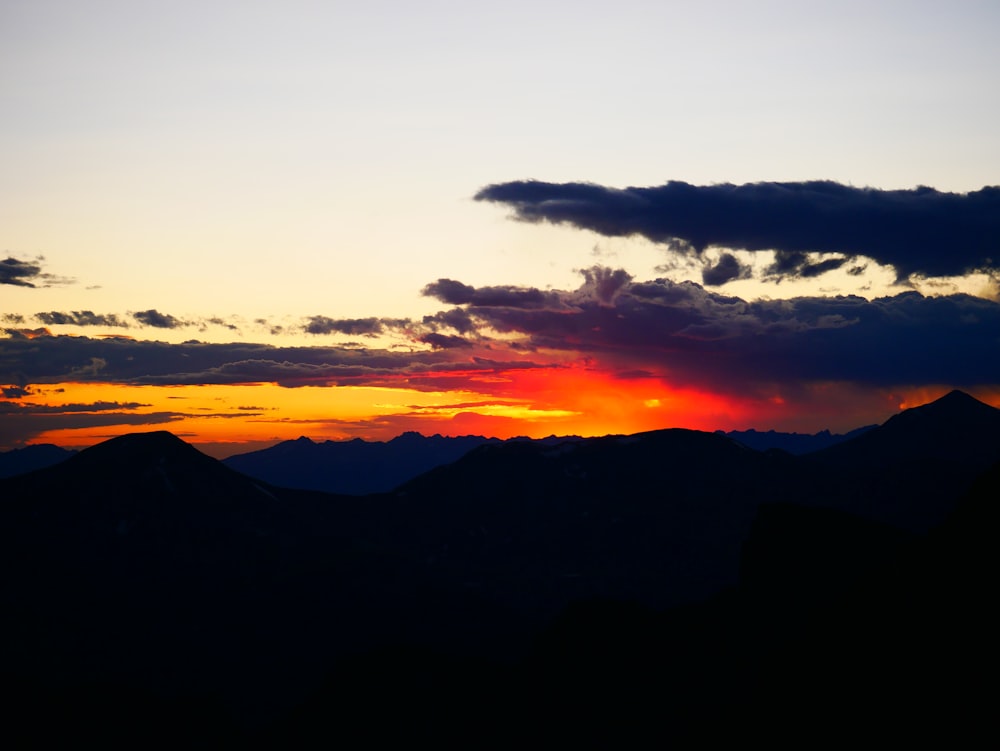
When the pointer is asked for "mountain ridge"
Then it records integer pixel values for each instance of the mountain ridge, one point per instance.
(359, 467)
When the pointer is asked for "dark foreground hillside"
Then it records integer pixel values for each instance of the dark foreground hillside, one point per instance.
(624, 592)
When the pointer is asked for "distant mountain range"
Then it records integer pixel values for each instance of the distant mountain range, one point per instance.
(359, 467)
(30, 458)
(623, 591)
(354, 467)
(793, 443)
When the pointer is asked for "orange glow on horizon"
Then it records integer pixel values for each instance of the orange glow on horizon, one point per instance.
(533, 402)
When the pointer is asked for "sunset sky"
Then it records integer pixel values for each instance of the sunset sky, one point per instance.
(249, 221)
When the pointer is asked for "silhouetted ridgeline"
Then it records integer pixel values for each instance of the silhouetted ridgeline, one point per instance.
(354, 467)
(624, 592)
(793, 443)
(30, 458)
(358, 467)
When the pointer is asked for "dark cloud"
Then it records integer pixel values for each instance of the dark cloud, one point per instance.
(53, 359)
(445, 341)
(793, 264)
(455, 293)
(920, 231)
(726, 269)
(216, 321)
(8, 408)
(415, 370)
(80, 318)
(449, 291)
(604, 284)
(14, 392)
(457, 319)
(23, 333)
(20, 273)
(19, 423)
(693, 337)
(352, 326)
(157, 319)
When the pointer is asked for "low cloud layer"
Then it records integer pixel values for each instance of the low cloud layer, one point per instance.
(918, 232)
(80, 318)
(679, 332)
(53, 359)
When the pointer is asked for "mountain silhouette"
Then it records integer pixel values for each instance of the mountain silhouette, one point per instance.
(793, 443)
(355, 467)
(901, 471)
(904, 654)
(679, 559)
(154, 466)
(957, 427)
(142, 562)
(30, 458)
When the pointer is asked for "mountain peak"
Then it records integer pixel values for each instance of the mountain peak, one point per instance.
(955, 405)
(135, 446)
(957, 394)
(958, 397)
(142, 467)
(955, 428)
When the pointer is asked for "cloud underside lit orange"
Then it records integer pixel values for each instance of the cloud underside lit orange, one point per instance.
(535, 402)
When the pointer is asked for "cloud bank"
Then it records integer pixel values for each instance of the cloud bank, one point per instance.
(682, 333)
(692, 336)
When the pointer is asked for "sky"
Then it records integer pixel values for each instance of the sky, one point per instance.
(249, 221)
